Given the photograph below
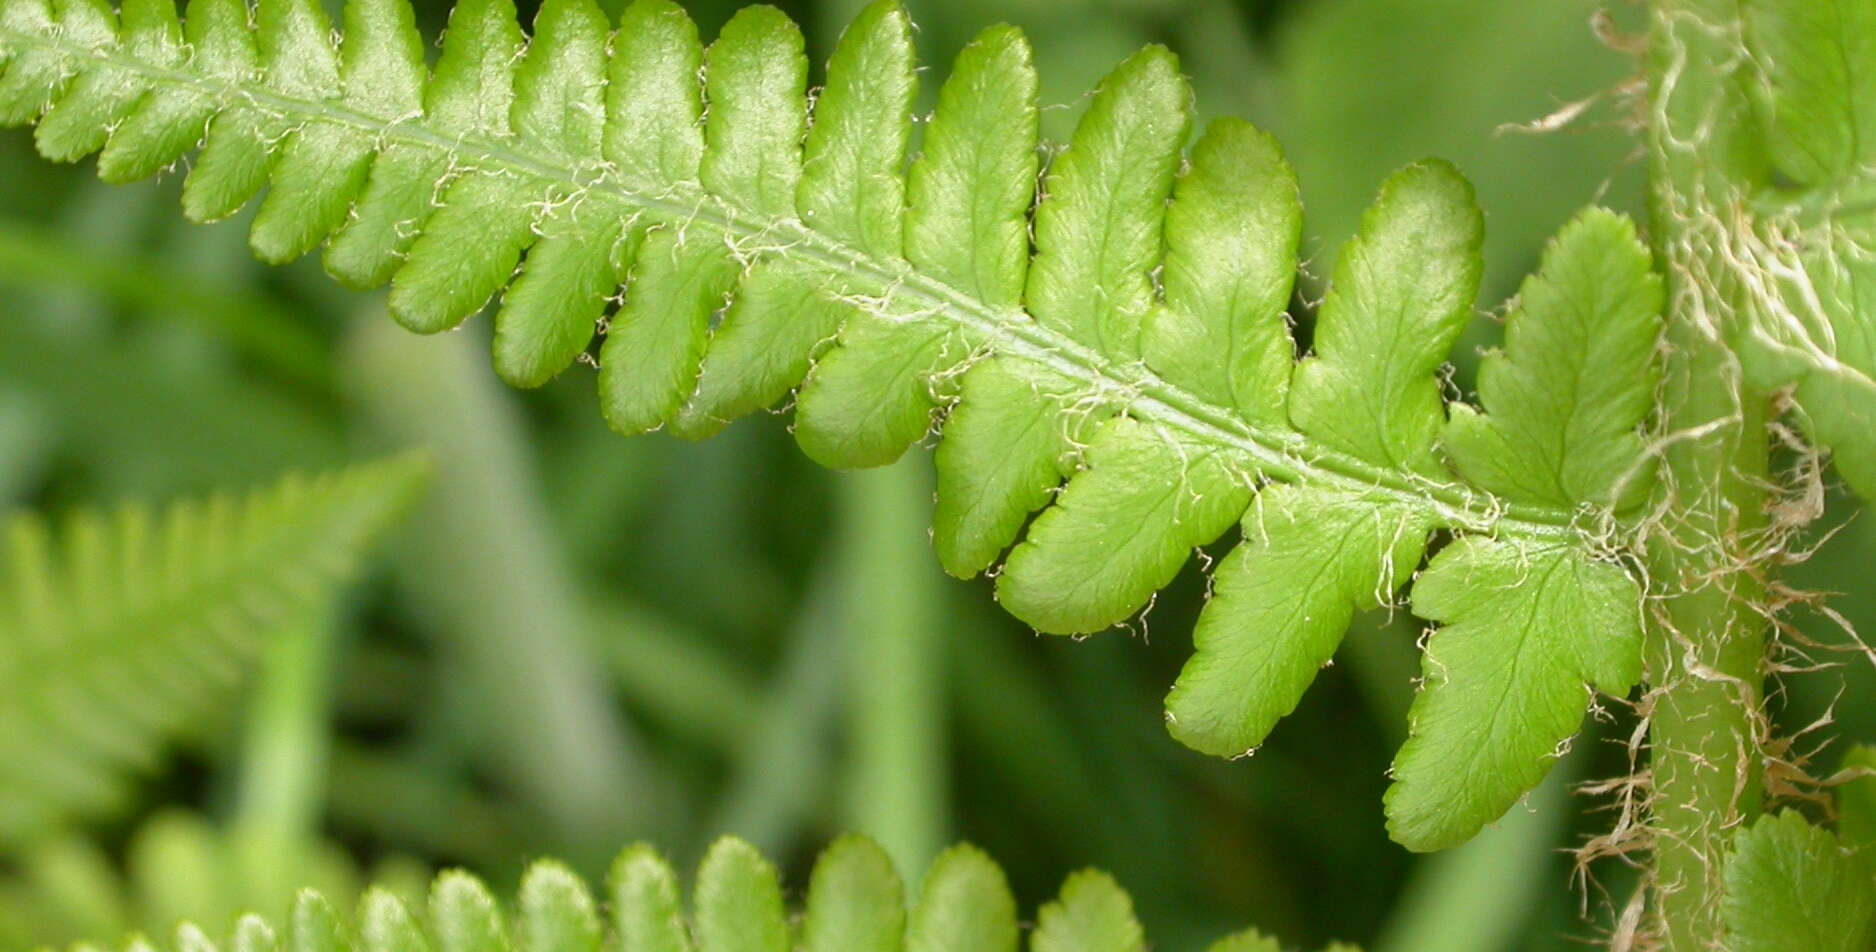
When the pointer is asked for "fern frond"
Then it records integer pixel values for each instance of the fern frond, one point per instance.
(855, 902)
(123, 627)
(1134, 378)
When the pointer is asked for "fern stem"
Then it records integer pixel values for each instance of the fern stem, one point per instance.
(893, 622)
(902, 292)
(1707, 635)
(1705, 668)
(282, 781)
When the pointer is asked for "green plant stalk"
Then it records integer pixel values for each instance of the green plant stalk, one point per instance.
(892, 622)
(282, 784)
(1704, 660)
(1706, 639)
(283, 762)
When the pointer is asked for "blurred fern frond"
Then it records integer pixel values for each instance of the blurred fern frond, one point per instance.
(855, 902)
(177, 867)
(118, 629)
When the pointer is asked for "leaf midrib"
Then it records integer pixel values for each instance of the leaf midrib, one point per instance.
(1282, 455)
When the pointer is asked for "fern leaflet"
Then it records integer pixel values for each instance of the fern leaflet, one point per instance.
(1794, 886)
(1134, 378)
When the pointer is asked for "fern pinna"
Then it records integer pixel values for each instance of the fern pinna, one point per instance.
(1111, 349)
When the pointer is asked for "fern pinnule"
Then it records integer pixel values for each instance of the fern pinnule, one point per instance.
(1133, 379)
(122, 628)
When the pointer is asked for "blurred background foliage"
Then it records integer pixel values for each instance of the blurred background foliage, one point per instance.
(579, 640)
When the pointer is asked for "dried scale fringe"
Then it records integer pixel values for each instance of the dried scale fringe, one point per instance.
(1139, 351)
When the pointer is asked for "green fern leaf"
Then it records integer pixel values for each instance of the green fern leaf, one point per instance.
(176, 867)
(127, 626)
(855, 900)
(315, 926)
(1006, 445)
(1402, 291)
(965, 904)
(1527, 626)
(1249, 941)
(854, 903)
(1282, 601)
(1073, 572)
(1812, 325)
(1525, 630)
(1564, 400)
(647, 912)
(1818, 103)
(1134, 381)
(1092, 915)
(739, 901)
(557, 910)
(1791, 886)
(1232, 233)
(464, 916)
(385, 925)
